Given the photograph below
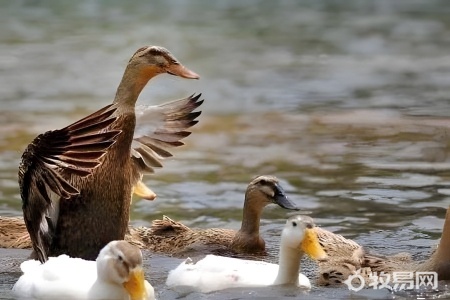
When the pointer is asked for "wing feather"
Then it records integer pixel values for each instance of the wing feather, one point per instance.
(72, 150)
(160, 128)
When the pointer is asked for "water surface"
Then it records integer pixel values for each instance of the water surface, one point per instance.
(345, 101)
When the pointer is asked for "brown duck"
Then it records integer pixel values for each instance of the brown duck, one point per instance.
(346, 257)
(76, 183)
(172, 237)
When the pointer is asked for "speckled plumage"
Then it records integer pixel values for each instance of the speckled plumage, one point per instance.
(14, 234)
(172, 237)
(346, 257)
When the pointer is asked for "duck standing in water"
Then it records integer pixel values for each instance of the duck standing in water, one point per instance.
(76, 183)
(171, 237)
(117, 274)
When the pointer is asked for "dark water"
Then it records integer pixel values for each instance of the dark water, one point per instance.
(347, 102)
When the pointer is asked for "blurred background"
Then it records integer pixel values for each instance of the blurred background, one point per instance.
(347, 102)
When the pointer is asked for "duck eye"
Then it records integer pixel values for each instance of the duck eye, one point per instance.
(263, 182)
(294, 224)
(120, 257)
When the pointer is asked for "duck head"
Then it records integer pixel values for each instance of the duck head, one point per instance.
(121, 263)
(298, 234)
(146, 63)
(153, 60)
(268, 190)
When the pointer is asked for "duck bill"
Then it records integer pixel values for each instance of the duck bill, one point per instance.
(311, 245)
(135, 285)
(182, 71)
(143, 191)
(282, 200)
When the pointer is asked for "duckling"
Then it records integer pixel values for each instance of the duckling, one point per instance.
(117, 274)
(172, 237)
(76, 183)
(215, 273)
(346, 257)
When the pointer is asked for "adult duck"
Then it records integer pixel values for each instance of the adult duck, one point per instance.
(76, 187)
(116, 274)
(172, 237)
(215, 273)
(346, 257)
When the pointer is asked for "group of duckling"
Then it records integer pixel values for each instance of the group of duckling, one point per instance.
(69, 221)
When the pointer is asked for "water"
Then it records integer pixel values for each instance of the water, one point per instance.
(345, 101)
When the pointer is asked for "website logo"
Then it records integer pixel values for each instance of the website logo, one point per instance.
(395, 280)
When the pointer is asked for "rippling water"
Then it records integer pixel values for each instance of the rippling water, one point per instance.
(345, 101)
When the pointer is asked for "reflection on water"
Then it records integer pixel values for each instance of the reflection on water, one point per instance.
(346, 102)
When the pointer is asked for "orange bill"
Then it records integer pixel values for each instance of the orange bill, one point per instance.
(182, 71)
(311, 246)
(135, 285)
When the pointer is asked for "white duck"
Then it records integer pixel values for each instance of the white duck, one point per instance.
(116, 274)
(215, 273)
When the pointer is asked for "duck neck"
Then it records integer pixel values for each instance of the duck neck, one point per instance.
(289, 266)
(251, 215)
(133, 81)
(102, 270)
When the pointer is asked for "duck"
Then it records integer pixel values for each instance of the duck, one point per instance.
(346, 257)
(214, 272)
(76, 183)
(171, 237)
(116, 274)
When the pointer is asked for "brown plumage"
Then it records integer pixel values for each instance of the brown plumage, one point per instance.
(49, 159)
(172, 237)
(346, 257)
(14, 234)
(76, 205)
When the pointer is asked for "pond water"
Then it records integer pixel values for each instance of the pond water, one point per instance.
(346, 102)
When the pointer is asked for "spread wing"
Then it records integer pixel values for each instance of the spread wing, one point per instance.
(73, 150)
(160, 128)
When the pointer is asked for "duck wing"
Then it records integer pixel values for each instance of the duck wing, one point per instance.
(51, 158)
(335, 245)
(160, 128)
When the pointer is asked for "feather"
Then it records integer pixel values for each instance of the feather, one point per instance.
(161, 127)
(74, 150)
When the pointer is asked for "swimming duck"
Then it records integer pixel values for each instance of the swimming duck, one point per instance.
(117, 274)
(217, 272)
(76, 183)
(346, 257)
(172, 237)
